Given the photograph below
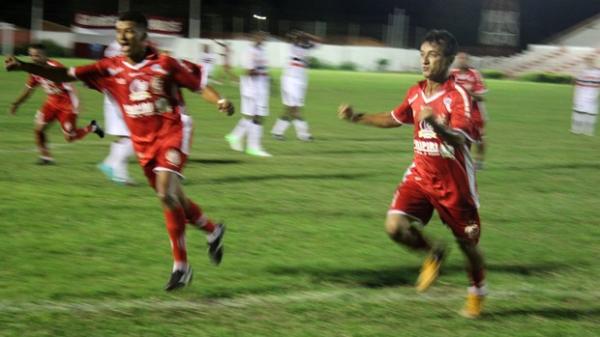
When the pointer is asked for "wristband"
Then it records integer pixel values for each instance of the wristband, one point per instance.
(221, 101)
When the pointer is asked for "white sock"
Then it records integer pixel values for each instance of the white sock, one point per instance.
(301, 128)
(110, 159)
(280, 126)
(178, 265)
(123, 152)
(241, 128)
(254, 136)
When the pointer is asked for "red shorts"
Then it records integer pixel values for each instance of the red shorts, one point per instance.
(64, 112)
(457, 212)
(163, 155)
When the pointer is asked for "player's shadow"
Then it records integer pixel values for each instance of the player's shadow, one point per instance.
(403, 275)
(547, 167)
(549, 313)
(268, 177)
(214, 161)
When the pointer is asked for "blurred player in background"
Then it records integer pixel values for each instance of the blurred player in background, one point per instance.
(472, 81)
(226, 54)
(441, 176)
(115, 165)
(61, 104)
(143, 83)
(208, 61)
(294, 82)
(585, 98)
(254, 89)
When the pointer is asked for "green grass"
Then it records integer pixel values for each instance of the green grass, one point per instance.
(306, 254)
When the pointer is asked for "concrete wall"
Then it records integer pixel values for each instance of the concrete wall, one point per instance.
(365, 58)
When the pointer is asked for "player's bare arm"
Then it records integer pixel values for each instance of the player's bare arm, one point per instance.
(212, 96)
(380, 120)
(448, 135)
(54, 74)
(22, 98)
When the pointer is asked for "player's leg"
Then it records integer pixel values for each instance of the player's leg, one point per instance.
(115, 165)
(235, 138)
(301, 126)
(589, 124)
(166, 182)
(41, 140)
(68, 124)
(577, 122)
(464, 222)
(284, 121)
(255, 129)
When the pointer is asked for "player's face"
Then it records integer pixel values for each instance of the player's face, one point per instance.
(130, 37)
(434, 65)
(37, 56)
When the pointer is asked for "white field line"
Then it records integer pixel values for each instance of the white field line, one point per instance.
(355, 295)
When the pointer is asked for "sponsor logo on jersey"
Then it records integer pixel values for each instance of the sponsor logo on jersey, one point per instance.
(121, 81)
(139, 110)
(426, 130)
(138, 90)
(157, 85)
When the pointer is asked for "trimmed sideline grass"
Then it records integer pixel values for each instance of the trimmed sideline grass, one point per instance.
(306, 254)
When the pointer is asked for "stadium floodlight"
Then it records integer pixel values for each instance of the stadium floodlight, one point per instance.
(258, 17)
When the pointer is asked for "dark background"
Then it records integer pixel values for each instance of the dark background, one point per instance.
(540, 19)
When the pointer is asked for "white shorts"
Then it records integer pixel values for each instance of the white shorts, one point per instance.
(188, 132)
(583, 123)
(113, 118)
(255, 95)
(293, 90)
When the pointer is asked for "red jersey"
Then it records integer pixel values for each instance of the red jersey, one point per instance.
(195, 70)
(437, 164)
(470, 79)
(58, 93)
(146, 93)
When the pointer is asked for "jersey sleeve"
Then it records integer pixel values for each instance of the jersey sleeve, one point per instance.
(460, 113)
(32, 82)
(190, 76)
(478, 86)
(92, 75)
(403, 113)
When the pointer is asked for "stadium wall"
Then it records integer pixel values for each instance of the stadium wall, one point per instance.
(365, 58)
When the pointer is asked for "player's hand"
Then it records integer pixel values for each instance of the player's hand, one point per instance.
(345, 112)
(12, 109)
(426, 113)
(11, 63)
(226, 106)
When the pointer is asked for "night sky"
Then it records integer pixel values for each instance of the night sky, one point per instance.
(540, 19)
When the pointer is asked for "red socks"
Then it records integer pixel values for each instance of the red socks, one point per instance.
(196, 218)
(176, 228)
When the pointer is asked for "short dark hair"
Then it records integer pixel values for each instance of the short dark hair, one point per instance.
(38, 46)
(137, 17)
(443, 38)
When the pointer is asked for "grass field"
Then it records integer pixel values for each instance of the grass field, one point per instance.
(306, 254)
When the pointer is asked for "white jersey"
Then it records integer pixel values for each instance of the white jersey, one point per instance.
(298, 60)
(587, 87)
(208, 61)
(255, 89)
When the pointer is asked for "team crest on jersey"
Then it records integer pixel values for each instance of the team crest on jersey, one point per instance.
(173, 157)
(138, 90)
(157, 85)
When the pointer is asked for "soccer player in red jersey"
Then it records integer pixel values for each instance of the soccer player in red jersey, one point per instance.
(472, 81)
(441, 176)
(61, 104)
(144, 84)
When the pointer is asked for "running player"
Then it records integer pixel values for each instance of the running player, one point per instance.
(294, 82)
(585, 98)
(472, 81)
(143, 83)
(441, 176)
(208, 60)
(61, 104)
(115, 165)
(226, 54)
(254, 89)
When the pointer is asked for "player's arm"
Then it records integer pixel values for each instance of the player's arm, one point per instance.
(25, 94)
(447, 134)
(54, 74)
(380, 120)
(212, 96)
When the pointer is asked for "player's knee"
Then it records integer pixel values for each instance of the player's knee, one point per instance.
(396, 225)
(167, 199)
(257, 120)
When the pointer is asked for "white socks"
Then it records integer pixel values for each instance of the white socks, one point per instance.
(280, 126)
(301, 129)
(254, 136)
(117, 159)
(241, 128)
